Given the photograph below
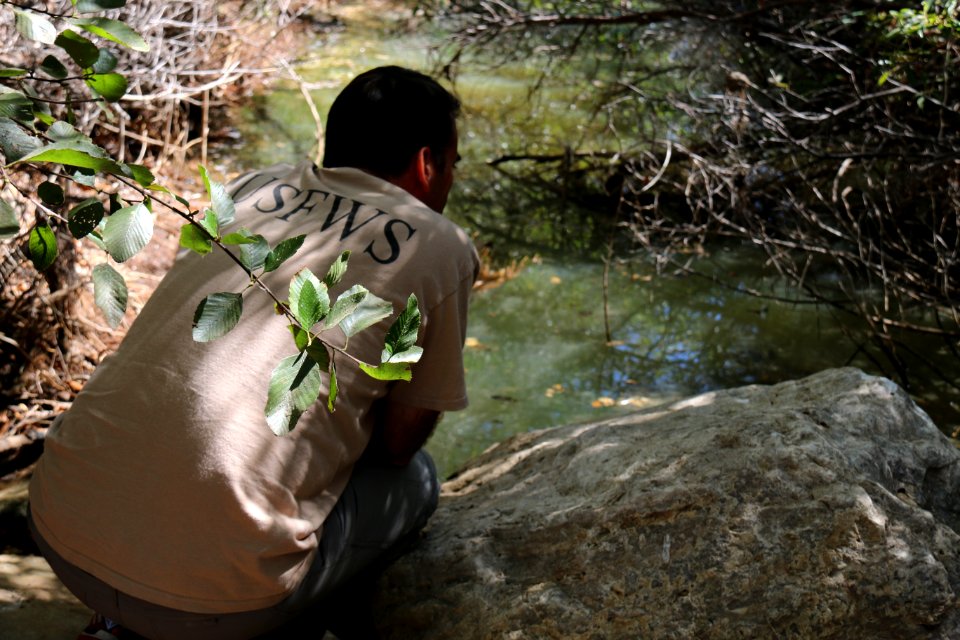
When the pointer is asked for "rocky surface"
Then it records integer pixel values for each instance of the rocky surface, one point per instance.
(821, 508)
(34, 605)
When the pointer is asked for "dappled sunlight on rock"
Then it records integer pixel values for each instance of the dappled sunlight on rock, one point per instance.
(702, 400)
(467, 482)
(820, 508)
(34, 605)
(22, 573)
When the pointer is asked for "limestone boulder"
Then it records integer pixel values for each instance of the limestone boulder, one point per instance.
(821, 508)
(34, 605)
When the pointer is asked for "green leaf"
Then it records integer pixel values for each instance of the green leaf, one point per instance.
(220, 200)
(114, 30)
(17, 106)
(195, 239)
(334, 388)
(13, 73)
(309, 300)
(301, 338)
(65, 132)
(282, 252)
(318, 352)
(141, 174)
(243, 236)
(72, 148)
(85, 217)
(160, 188)
(337, 269)
(43, 117)
(305, 341)
(33, 26)
(80, 50)
(388, 371)
(51, 193)
(346, 303)
(42, 246)
(253, 254)
(110, 86)
(41, 110)
(210, 223)
(216, 316)
(9, 221)
(294, 387)
(96, 237)
(128, 231)
(91, 6)
(369, 312)
(410, 355)
(54, 68)
(106, 62)
(85, 177)
(57, 153)
(15, 142)
(110, 293)
(402, 335)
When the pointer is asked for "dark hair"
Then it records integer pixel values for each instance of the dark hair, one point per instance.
(384, 116)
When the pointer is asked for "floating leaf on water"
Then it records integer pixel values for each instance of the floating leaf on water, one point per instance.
(473, 343)
(554, 390)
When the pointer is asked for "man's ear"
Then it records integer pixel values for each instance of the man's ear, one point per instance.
(425, 170)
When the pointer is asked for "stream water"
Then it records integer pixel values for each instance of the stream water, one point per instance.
(538, 353)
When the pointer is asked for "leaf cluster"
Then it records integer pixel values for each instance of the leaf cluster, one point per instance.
(32, 137)
(296, 382)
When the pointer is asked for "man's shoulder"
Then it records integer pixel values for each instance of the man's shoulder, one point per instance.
(252, 179)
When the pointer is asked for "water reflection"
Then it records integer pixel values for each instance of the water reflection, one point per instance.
(537, 354)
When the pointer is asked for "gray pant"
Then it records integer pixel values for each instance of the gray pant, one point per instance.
(380, 507)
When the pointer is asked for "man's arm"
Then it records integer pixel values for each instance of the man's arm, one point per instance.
(400, 430)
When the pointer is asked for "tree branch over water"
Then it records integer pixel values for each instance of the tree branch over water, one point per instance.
(824, 135)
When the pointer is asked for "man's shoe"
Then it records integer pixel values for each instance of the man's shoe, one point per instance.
(101, 628)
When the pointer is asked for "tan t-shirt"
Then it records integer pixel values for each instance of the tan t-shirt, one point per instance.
(164, 479)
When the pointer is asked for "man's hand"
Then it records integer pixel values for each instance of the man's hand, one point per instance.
(400, 430)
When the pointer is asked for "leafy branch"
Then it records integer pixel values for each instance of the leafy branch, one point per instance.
(32, 137)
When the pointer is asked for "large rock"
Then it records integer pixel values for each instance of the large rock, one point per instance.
(823, 508)
(34, 605)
